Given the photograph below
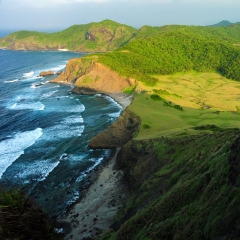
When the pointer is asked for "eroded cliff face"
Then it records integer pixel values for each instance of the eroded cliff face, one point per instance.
(91, 77)
(181, 188)
(74, 69)
(117, 134)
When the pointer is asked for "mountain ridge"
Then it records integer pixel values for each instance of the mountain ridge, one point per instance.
(108, 35)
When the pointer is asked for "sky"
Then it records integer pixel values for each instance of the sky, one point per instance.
(56, 15)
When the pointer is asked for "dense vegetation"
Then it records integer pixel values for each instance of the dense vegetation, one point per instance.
(103, 36)
(20, 218)
(109, 35)
(181, 188)
(174, 51)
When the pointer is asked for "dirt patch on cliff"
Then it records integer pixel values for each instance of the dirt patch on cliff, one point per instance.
(74, 69)
(90, 77)
(103, 79)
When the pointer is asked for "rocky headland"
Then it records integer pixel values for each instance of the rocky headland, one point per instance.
(93, 78)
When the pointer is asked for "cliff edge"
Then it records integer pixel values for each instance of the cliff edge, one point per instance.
(91, 77)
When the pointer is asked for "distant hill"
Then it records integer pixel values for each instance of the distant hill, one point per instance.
(93, 37)
(223, 23)
(109, 35)
(176, 50)
(227, 34)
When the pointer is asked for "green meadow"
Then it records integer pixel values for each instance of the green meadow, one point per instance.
(187, 103)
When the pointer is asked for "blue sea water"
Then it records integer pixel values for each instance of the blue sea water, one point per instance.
(45, 129)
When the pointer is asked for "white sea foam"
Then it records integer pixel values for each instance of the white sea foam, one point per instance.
(30, 106)
(34, 85)
(39, 169)
(55, 69)
(73, 120)
(96, 162)
(77, 108)
(115, 114)
(11, 81)
(13, 148)
(62, 131)
(58, 68)
(47, 95)
(111, 100)
(28, 75)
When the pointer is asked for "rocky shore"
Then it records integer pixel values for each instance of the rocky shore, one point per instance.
(95, 212)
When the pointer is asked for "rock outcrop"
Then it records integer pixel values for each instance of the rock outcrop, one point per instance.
(92, 77)
(103, 80)
(74, 69)
(117, 134)
(47, 73)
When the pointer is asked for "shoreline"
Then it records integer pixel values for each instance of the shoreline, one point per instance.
(95, 211)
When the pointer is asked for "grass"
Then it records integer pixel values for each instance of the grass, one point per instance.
(185, 101)
(183, 189)
(20, 218)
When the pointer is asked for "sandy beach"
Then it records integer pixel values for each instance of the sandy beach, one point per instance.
(95, 212)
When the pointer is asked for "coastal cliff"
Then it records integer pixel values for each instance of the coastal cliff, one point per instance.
(117, 134)
(91, 77)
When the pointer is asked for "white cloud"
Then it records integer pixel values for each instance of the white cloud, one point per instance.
(211, 1)
(50, 2)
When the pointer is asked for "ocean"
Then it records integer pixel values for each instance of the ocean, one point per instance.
(45, 129)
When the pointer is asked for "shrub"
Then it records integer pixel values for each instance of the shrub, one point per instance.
(156, 97)
(20, 218)
(178, 107)
(145, 126)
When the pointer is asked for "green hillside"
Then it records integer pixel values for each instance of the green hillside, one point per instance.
(181, 188)
(173, 51)
(103, 36)
(109, 35)
(222, 32)
(224, 23)
(182, 166)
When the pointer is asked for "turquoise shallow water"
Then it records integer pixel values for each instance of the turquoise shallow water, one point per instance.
(45, 129)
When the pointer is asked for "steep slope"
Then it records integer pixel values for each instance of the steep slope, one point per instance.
(173, 51)
(90, 77)
(181, 188)
(103, 36)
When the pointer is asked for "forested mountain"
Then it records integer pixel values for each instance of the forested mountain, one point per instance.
(109, 35)
(228, 34)
(178, 50)
(224, 23)
(103, 36)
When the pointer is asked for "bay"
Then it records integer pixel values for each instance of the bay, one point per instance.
(45, 129)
